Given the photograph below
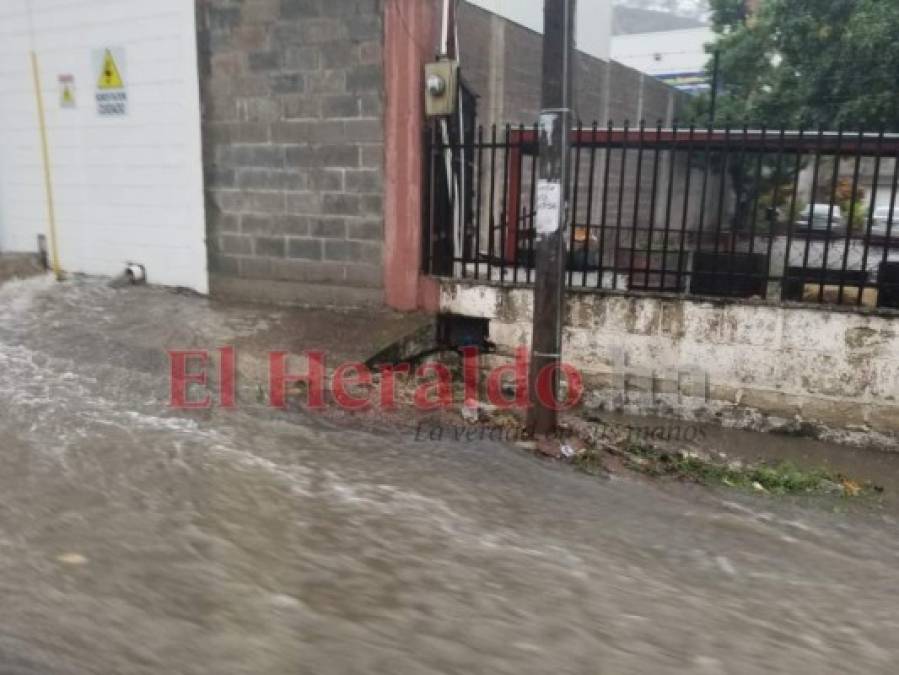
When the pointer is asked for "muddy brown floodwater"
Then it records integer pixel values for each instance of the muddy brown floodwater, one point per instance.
(136, 539)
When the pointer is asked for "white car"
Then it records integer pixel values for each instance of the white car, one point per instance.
(882, 224)
(821, 216)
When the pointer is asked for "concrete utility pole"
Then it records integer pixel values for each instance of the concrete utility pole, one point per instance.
(552, 191)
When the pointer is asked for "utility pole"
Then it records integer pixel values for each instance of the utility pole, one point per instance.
(552, 192)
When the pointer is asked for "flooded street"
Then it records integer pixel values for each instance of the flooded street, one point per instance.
(137, 539)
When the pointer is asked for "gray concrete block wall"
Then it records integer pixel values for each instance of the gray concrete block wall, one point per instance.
(292, 94)
(502, 63)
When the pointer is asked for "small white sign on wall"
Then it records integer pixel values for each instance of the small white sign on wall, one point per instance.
(112, 95)
(549, 206)
(67, 91)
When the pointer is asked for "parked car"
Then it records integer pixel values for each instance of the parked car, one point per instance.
(821, 216)
(881, 222)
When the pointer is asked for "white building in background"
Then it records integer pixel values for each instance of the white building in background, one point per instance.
(677, 57)
(594, 21)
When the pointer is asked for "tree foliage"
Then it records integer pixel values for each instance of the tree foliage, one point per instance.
(807, 63)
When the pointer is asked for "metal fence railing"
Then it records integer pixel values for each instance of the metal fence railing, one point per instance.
(781, 215)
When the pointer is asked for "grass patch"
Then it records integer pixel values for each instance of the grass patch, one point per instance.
(591, 462)
(781, 478)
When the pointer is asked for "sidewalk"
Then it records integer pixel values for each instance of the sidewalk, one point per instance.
(19, 266)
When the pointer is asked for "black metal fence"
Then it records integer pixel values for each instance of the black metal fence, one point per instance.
(808, 216)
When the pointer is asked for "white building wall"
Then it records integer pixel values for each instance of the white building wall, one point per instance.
(126, 188)
(665, 54)
(594, 21)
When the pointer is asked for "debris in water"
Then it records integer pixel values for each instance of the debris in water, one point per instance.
(470, 411)
(135, 274)
(71, 559)
(549, 447)
(474, 411)
(851, 488)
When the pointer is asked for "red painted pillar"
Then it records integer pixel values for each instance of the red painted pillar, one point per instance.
(409, 42)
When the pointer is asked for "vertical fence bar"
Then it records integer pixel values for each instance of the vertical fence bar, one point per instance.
(479, 198)
(703, 198)
(457, 258)
(870, 225)
(491, 243)
(771, 216)
(811, 208)
(460, 180)
(504, 216)
(852, 202)
(682, 248)
(668, 199)
(722, 196)
(533, 207)
(791, 218)
(605, 204)
(881, 284)
(575, 185)
(636, 219)
(761, 151)
(831, 197)
(517, 216)
(754, 212)
(618, 215)
(739, 192)
(652, 202)
(591, 176)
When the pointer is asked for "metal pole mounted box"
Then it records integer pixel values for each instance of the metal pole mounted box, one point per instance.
(441, 84)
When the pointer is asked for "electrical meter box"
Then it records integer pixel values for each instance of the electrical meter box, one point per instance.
(441, 88)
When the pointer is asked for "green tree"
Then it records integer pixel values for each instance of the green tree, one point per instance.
(807, 63)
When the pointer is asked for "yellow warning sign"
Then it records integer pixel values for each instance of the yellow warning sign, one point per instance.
(111, 66)
(66, 91)
(110, 77)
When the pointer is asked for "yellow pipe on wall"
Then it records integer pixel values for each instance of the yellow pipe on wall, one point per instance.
(48, 180)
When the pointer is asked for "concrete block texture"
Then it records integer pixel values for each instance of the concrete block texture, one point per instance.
(293, 98)
(750, 365)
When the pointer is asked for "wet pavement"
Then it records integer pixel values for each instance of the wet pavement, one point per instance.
(137, 539)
